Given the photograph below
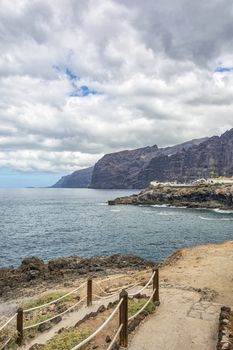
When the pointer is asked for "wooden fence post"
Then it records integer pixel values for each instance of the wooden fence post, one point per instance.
(19, 326)
(156, 286)
(123, 319)
(89, 291)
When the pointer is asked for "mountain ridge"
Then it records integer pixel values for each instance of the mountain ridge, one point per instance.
(129, 162)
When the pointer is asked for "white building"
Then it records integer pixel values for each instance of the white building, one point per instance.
(220, 181)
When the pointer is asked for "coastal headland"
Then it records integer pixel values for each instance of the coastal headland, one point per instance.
(205, 195)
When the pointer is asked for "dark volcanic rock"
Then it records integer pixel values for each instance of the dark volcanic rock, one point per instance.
(201, 196)
(34, 272)
(78, 179)
(122, 169)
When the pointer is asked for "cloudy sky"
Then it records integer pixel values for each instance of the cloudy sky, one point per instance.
(80, 78)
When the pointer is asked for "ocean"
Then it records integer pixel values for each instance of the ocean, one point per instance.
(50, 223)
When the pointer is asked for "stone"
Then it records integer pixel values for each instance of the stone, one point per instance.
(56, 320)
(102, 308)
(44, 326)
(108, 339)
(36, 347)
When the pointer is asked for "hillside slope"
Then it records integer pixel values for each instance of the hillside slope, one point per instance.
(78, 179)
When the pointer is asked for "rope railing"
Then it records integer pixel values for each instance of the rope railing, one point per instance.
(146, 285)
(127, 287)
(122, 331)
(5, 344)
(52, 318)
(115, 337)
(93, 335)
(143, 308)
(55, 300)
(8, 321)
(120, 276)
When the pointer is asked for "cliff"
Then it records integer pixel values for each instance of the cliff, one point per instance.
(185, 162)
(196, 196)
(123, 169)
(211, 157)
(78, 179)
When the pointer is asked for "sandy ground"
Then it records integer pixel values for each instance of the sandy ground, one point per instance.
(209, 266)
(184, 320)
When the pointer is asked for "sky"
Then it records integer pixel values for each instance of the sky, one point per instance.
(81, 78)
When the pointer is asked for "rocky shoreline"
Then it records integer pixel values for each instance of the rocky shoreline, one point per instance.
(196, 196)
(34, 273)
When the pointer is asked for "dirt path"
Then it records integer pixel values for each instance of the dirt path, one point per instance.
(183, 321)
(177, 325)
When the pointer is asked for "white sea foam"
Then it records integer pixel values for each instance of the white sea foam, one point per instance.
(115, 210)
(102, 203)
(215, 219)
(165, 213)
(221, 211)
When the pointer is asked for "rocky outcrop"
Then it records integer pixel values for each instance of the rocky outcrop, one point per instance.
(199, 196)
(127, 169)
(225, 333)
(34, 272)
(78, 179)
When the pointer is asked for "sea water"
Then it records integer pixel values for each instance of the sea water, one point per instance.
(50, 223)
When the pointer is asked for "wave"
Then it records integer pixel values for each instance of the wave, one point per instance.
(215, 219)
(115, 210)
(165, 214)
(221, 211)
(102, 203)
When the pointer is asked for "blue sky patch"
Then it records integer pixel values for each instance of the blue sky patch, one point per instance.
(82, 91)
(77, 91)
(70, 74)
(10, 178)
(221, 69)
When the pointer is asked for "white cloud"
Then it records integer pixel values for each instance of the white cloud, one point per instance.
(151, 64)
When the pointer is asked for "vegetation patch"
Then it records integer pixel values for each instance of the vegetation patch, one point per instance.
(135, 305)
(67, 339)
(45, 313)
(8, 333)
(47, 298)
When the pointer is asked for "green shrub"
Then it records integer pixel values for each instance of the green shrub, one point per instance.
(135, 306)
(66, 340)
(47, 298)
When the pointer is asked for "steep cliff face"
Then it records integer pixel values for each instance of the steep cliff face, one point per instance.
(122, 169)
(117, 170)
(137, 168)
(78, 179)
(211, 157)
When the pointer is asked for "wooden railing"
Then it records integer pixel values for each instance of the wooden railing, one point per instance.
(122, 306)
